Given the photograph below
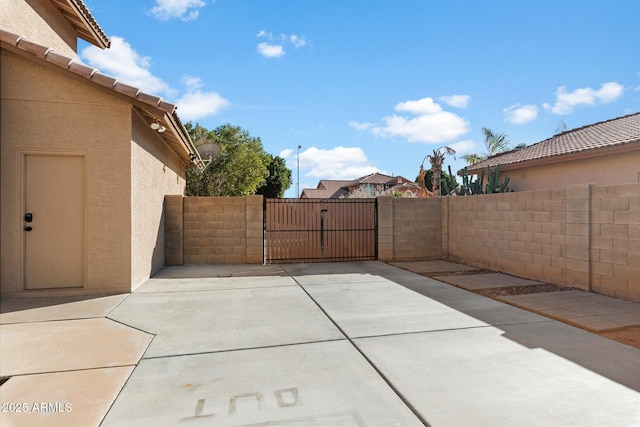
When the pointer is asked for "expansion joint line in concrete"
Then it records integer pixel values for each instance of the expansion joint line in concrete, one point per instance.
(375, 368)
(167, 356)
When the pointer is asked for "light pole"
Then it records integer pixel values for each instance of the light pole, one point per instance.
(298, 178)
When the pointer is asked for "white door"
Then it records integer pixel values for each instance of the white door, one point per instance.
(54, 221)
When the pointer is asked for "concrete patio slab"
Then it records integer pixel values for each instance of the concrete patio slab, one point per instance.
(213, 284)
(319, 384)
(486, 281)
(30, 348)
(358, 305)
(384, 307)
(435, 266)
(219, 270)
(267, 352)
(315, 268)
(594, 312)
(326, 279)
(195, 322)
(478, 377)
(77, 398)
(60, 308)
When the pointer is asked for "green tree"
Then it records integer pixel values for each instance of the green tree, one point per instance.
(495, 143)
(239, 170)
(448, 181)
(278, 181)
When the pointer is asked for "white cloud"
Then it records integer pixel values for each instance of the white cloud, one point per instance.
(297, 41)
(196, 104)
(429, 123)
(466, 146)
(360, 126)
(192, 82)
(286, 153)
(275, 49)
(520, 114)
(334, 163)
(457, 101)
(566, 101)
(186, 10)
(263, 33)
(421, 106)
(270, 50)
(124, 63)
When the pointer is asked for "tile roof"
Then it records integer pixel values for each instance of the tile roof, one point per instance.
(378, 178)
(87, 28)
(152, 107)
(327, 189)
(330, 188)
(591, 138)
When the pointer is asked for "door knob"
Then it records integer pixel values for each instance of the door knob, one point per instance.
(28, 228)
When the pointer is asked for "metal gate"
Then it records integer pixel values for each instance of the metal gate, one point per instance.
(319, 230)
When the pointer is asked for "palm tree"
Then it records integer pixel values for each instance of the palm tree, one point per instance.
(495, 143)
(436, 159)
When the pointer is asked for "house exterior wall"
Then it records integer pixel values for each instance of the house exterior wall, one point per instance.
(41, 23)
(156, 171)
(615, 169)
(44, 110)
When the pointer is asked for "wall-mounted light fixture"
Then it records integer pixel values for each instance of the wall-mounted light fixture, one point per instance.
(157, 126)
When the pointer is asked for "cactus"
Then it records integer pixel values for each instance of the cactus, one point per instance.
(493, 183)
(470, 187)
(448, 183)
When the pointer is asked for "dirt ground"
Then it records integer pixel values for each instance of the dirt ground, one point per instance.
(629, 336)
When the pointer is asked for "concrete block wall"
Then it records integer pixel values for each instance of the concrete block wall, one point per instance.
(523, 233)
(615, 241)
(583, 236)
(409, 229)
(215, 230)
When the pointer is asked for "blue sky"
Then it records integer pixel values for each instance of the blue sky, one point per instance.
(369, 86)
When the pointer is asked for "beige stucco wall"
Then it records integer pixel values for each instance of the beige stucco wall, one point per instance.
(622, 168)
(156, 171)
(40, 22)
(43, 109)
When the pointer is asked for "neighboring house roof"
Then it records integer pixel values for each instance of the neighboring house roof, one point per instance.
(87, 28)
(378, 178)
(332, 189)
(619, 134)
(326, 189)
(150, 106)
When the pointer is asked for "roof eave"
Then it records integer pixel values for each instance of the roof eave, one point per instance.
(154, 108)
(87, 28)
(578, 155)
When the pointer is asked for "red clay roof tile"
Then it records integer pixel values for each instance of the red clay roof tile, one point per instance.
(610, 133)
